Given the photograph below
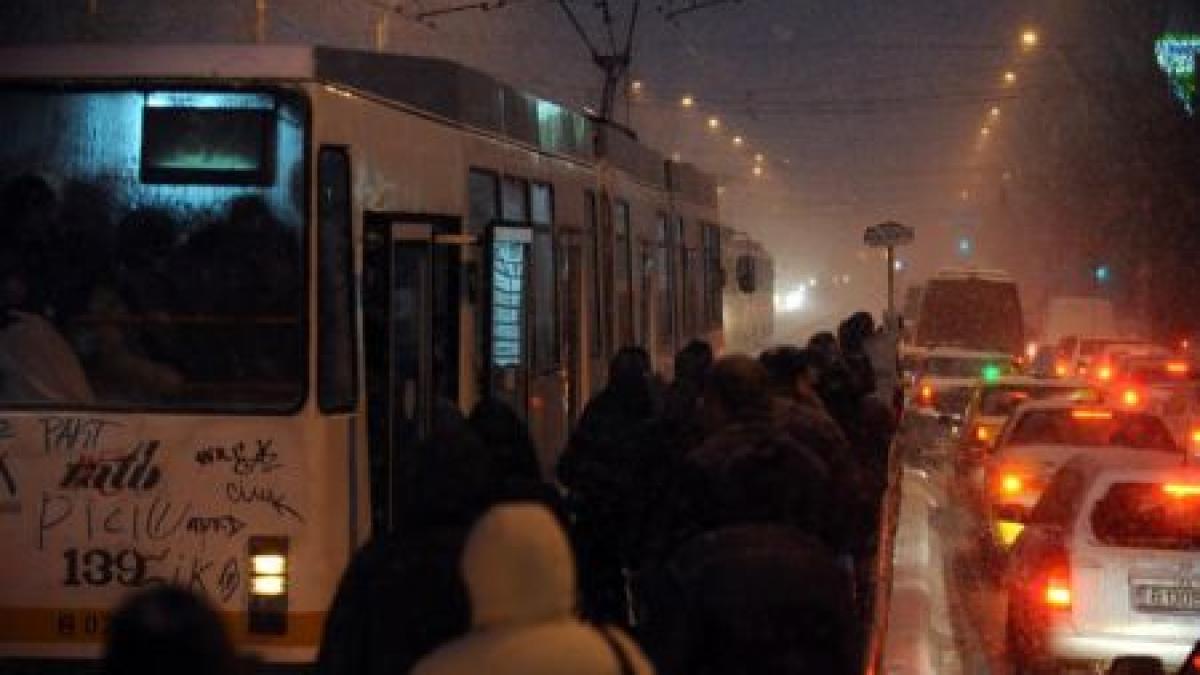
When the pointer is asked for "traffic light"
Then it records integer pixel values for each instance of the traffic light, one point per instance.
(1102, 273)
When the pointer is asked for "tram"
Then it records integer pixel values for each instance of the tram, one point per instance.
(260, 272)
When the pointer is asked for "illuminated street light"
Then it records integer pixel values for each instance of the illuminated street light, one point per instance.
(1010, 77)
(714, 123)
(965, 195)
(738, 141)
(1029, 38)
(758, 171)
(760, 158)
(687, 101)
(636, 86)
(995, 111)
(985, 132)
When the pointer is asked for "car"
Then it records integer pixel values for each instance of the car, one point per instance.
(1077, 352)
(939, 400)
(1040, 437)
(1110, 361)
(991, 404)
(1108, 567)
(971, 308)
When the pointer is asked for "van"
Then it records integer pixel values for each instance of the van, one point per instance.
(971, 309)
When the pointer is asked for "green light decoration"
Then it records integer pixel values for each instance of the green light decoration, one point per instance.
(991, 372)
(1176, 54)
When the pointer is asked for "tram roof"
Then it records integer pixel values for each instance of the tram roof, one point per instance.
(443, 88)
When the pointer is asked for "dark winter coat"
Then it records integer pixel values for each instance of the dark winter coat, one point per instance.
(757, 599)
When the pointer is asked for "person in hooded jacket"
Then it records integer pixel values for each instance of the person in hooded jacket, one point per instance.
(738, 406)
(757, 592)
(517, 569)
(600, 472)
(506, 439)
(400, 596)
(798, 410)
(168, 629)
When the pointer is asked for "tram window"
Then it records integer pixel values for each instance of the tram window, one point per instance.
(163, 296)
(545, 288)
(599, 326)
(483, 193)
(215, 141)
(337, 375)
(515, 200)
(665, 284)
(622, 274)
(713, 275)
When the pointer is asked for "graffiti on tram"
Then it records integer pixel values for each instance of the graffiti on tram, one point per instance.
(103, 506)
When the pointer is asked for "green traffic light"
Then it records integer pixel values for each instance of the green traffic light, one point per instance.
(991, 373)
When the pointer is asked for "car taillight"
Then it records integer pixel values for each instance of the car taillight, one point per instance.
(1011, 484)
(1062, 369)
(1131, 398)
(1181, 490)
(983, 434)
(1177, 368)
(926, 395)
(1091, 415)
(1052, 585)
(1104, 372)
(1058, 591)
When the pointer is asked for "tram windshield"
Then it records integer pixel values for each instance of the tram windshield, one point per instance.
(151, 249)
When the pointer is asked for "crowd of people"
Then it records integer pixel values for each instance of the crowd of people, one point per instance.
(723, 523)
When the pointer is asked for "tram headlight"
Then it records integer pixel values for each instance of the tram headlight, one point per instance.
(268, 602)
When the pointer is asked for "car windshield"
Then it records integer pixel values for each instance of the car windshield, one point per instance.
(1085, 427)
(1157, 515)
(1001, 401)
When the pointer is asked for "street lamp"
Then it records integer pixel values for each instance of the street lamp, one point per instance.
(1010, 77)
(995, 111)
(687, 101)
(636, 87)
(714, 123)
(738, 141)
(1029, 38)
(758, 171)
(985, 131)
(760, 158)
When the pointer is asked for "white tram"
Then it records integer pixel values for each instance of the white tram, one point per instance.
(262, 271)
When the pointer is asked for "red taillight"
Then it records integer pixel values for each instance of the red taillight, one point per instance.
(1011, 484)
(983, 434)
(1180, 490)
(1104, 372)
(926, 395)
(1131, 398)
(1062, 369)
(1058, 592)
(1177, 368)
(1091, 415)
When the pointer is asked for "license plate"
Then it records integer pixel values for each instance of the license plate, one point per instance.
(1162, 598)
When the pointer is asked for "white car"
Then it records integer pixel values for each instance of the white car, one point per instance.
(993, 401)
(1041, 436)
(1109, 566)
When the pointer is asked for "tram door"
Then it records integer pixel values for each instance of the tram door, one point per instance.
(410, 329)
